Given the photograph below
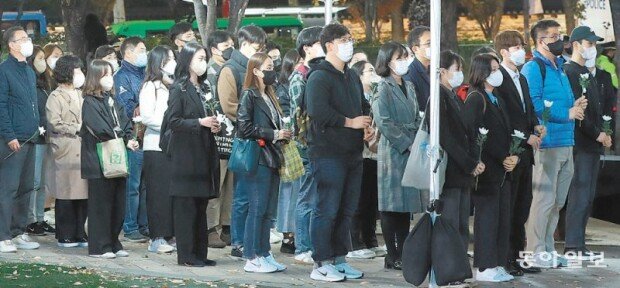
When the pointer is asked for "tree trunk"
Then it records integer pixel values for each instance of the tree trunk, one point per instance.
(201, 19)
(398, 29)
(73, 12)
(20, 10)
(615, 15)
(497, 18)
(211, 16)
(237, 10)
(370, 13)
(450, 17)
(119, 11)
(569, 13)
(526, 22)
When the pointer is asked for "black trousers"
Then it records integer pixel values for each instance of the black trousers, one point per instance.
(491, 224)
(70, 217)
(158, 199)
(364, 222)
(106, 212)
(190, 222)
(520, 202)
(395, 228)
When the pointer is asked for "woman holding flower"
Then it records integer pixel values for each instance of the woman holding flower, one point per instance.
(491, 199)
(260, 118)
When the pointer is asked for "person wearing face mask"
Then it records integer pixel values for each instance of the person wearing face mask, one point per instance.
(491, 199)
(108, 53)
(220, 47)
(515, 93)
(589, 143)
(103, 119)
(548, 83)
(52, 53)
(606, 62)
(419, 41)
(251, 39)
(63, 169)
(608, 94)
(395, 111)
(193, 128)
(19, 121)
(127, 84)
(260, 118)
(154, 102)
(568, 48)
(338, 127)
(275, 53)
(463, 164)
(180, 34)
(310, 50)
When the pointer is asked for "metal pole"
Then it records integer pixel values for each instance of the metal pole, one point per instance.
(328, 11)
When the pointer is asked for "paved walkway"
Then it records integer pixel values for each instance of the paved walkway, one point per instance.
(228, 270)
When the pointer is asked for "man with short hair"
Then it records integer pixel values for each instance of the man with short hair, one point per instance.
(127, 84)
(337, 109)
(553, 171)
(220, 47)
(180, 34)
(606, 62)
(251, 40)
(419, 41)
(274, 51)
(19, 125)
(589, 141)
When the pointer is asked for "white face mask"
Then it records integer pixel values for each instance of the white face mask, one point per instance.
(51, 61)
(39, 65)
(590, 63)
(496, 78)
(26, 49)
(114, 64)
(409, 60)
(400, 67)
(78, 80)
(457, 79)
(518, 57)
(169, 68)
(589, 53)
(345, 51)
(428, 53)
(199, 67)
(107, 83)
(318, 51)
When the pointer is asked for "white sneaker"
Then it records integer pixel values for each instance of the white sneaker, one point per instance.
(259, 265)
(379, 251)
(543, 260)
(491, 275)
(327, 273)
(348, 271)
(160, 246)
(7, 246)
(304, 258)
(25, 243)
(108, 255)
(122, 253)
(273, 262)
(559, 260)
(361, 254)
(506, 274)
(275, 237)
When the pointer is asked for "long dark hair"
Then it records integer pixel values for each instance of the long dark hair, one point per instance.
(358, 67)
(158, 56)
(181, 74)
(480, 69)
(251, 80)
(290, 60)
(44, 81)
(96, 70)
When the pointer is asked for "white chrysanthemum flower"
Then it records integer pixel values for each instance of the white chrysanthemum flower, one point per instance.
(483, 131)
(41, 130)
(137, 119)
(606, 118)
(548, 103)
(286, 120)
(518, 134)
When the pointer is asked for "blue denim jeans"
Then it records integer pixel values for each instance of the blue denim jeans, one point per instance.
(338, 185)
(37, 198)
(135, 208)
(239, 212)
(262, 188)
(307, 189)
(287, 204)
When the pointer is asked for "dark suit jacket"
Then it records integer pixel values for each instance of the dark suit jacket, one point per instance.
(524, 121)
(419, 76)
(480, 112)
(195, 170)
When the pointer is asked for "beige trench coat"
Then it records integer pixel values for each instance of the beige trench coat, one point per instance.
(63, 174)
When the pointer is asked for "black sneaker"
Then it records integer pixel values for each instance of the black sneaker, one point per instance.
(237, 253)
(287, 248)
(47, 227)
(35, 229)
(136, 237)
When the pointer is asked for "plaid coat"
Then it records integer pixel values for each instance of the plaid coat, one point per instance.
(397, 118)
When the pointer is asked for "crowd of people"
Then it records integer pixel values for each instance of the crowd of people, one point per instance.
(521, 138)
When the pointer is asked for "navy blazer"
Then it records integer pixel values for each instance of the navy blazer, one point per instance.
(419, 76)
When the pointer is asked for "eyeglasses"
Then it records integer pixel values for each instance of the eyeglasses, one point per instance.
(25, 39)
(555, 37)
(346, 40)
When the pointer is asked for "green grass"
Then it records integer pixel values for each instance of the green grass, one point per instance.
(38, 275)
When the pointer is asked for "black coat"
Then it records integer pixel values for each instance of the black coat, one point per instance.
(480, 112)
(419, 76)
(195, 164)
(454, 139)
(254, 121)
(607, 92)
(284, 98)
(42, 101)
(97, 115)
(524, 121)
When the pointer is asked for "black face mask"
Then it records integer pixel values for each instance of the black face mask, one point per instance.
(227, 52)
(556, 48)
(277, 63)
(569, 51)
(269, 77)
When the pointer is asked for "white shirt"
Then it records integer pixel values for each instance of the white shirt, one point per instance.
(515, 78)
(152, 108)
